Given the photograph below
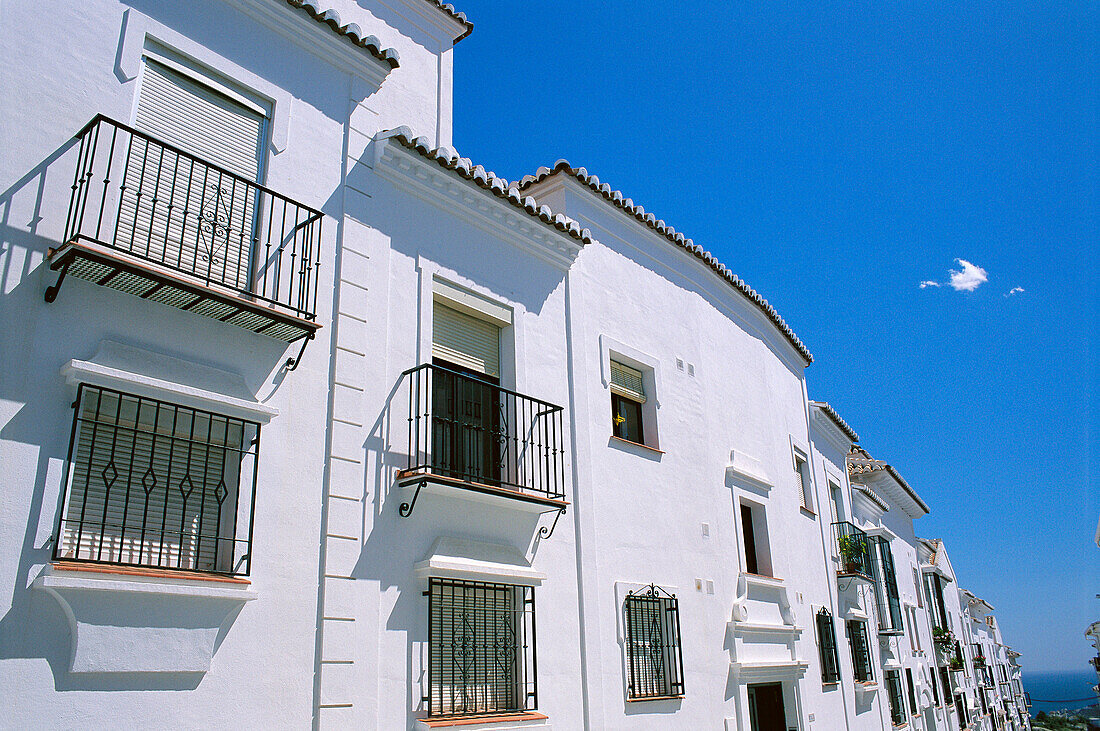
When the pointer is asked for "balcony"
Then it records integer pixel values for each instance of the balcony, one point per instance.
(854, 551)
(150, 219)
(468, 433)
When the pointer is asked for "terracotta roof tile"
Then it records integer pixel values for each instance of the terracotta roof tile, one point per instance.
(351, 31)
(648, 219)
(860, 462)
(448, 158)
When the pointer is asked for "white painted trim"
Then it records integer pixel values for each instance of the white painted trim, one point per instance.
(461, 558)
(132, 370)
(53, 580)
(471, 303)
(427, 181)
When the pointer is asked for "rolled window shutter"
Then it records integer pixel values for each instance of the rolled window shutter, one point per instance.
(166, 195)
(465, 341)
(627, 381)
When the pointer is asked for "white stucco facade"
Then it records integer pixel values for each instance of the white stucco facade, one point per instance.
(328, 598)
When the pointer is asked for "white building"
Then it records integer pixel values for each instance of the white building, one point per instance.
(530, 458)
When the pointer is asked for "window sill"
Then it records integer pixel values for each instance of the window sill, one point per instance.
(621, 441)
(173, 628)
(807, 512)
(151, 573)
(655, 698)
(495, 718)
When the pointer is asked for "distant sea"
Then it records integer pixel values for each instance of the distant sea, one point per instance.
(1060, 686)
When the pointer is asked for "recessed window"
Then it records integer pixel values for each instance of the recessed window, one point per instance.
(805, 485)
(826, 642)
(893, 688)
(627, 397)
(481, 648)
(912, 691)
(754, 533)
(861, 651)
(654, 662)
(157, 484)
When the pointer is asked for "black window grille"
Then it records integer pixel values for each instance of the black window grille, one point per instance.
(945, 681)
(151, 483)
(888, 600)
(481, 648)
(861, 651)
(826, 642)
(935, 691)
(912, 691)
(654, 660)
(893, 688)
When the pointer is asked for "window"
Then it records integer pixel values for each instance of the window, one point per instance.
(935, 691)
(893, 687)
(155, 484)
(912, 691)
(210, 125)
(627, 397)
(481, 647)
(754, 532)
(802, 468)
(654, 663)
(886, 587)
(945, 682)
(916, 584)
(914, 631)
(861, 651)
(837, 500)
(826, 642)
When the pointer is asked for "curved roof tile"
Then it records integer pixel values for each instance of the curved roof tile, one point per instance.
(860, 462)
(448, 158)
(455, 15)
(351, 31)
(617, 199)
(835, 417)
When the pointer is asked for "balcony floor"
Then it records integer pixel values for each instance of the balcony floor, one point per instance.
(92, 261)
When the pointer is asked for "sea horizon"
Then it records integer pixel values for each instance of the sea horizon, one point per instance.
(1055, 690)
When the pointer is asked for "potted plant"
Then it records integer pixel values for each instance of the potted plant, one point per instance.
(851, 554)
(955, 664)
(979, 661)
(943, 639)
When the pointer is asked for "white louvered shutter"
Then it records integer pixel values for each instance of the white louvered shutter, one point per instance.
(627, 381)
(466, 341)
(179, 211)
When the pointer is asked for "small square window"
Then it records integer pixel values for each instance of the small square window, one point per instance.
(626, 419)
(802, 467)
(629, 409)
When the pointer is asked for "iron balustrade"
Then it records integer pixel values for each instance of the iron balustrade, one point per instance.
(163, 205)
(472, 430)
(481, 648)
(654, 657)
(154, 484)
(979, 654)
(887, 598)
(854, 550)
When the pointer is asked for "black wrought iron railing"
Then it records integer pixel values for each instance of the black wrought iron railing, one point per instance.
(861, 651)
(897, 702)
(654, 657)
(854, 550)
(154, 484)
(887, 598)
(163, 205)
(481, 648)
(472, 430)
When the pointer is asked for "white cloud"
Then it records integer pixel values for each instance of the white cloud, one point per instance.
(928, 283)
(1014, 290)
(969, 278)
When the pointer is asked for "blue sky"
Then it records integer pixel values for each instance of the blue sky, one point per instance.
(835, 156)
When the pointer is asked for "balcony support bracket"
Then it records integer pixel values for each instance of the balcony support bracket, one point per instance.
(545, 532)
(406, 508)
(292, 363)
(51, 291)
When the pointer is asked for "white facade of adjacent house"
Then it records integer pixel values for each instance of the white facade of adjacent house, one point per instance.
(307, 421)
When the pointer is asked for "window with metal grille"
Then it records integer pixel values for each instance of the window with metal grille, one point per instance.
(654, 661)
(935, 691)
(481, 648)
(826, 642)
(888, 600)
(151, 483)
(912, 691)
(897, 707)
(861, 651)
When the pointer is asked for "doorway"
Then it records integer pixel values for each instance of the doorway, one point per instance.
(766, 711)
